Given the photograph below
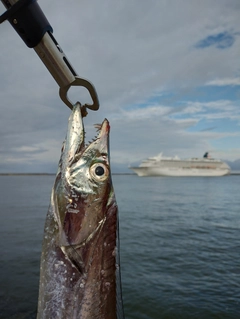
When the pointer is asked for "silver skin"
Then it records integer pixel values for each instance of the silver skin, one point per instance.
(79, 275)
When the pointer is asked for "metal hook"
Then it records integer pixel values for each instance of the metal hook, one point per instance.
(80, 82)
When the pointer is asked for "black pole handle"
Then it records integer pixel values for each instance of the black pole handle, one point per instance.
(28, 20)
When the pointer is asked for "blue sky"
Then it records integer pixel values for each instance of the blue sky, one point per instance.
(167, 75)
(222, 40)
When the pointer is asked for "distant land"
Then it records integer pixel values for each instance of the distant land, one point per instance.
(49, 174)
(9, 174)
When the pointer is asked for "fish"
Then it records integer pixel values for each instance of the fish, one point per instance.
(80, 262)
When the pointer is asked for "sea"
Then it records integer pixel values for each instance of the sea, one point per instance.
(180, 245)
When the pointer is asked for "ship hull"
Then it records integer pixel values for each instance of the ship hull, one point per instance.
(156, 171)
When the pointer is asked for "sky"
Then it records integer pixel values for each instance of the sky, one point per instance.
(167, 75)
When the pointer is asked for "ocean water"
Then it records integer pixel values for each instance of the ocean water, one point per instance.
(180, 245)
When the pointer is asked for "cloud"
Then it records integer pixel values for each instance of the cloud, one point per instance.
(141, 57)
(208, 129)
(224, 82)
(226, 109)
(144, 112)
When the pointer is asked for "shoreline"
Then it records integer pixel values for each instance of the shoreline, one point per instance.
(49, 174)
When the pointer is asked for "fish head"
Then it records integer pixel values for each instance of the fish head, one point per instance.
(83, 187)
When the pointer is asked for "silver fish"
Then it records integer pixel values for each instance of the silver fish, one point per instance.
(80, 275)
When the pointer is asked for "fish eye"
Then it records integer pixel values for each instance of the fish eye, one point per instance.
(99, 172)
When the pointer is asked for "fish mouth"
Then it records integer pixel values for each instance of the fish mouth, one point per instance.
(74, 145)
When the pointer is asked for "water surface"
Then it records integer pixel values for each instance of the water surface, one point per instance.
(180, 242)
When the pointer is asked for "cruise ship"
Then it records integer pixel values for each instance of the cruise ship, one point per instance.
(174, 166)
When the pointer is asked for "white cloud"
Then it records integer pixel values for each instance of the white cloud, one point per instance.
(224, 82)
(144, 112)
(219, 109)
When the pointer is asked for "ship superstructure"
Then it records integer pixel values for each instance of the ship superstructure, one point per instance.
(174, 166)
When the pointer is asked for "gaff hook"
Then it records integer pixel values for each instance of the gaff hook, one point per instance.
(58, 65)
(86, 84)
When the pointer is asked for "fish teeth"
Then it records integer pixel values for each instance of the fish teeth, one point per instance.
(98, 126)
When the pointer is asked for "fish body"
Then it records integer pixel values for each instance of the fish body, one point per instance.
(80, 275)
